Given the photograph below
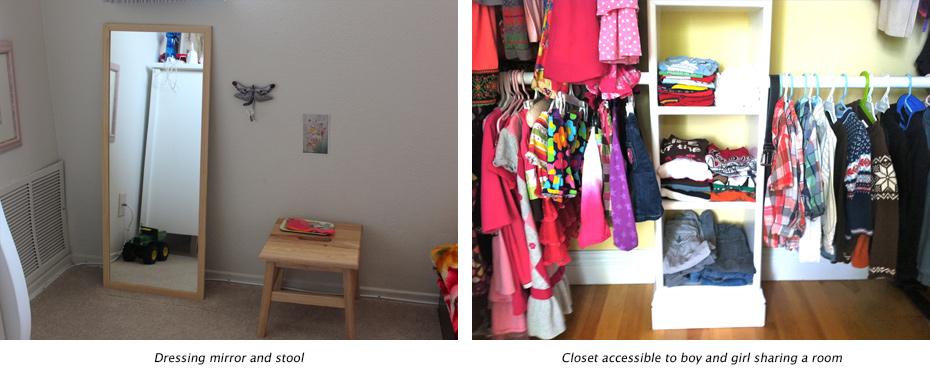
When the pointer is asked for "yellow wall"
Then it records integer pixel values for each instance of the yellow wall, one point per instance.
(849, 42)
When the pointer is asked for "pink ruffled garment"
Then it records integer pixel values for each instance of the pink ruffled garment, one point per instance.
(619, 82)
(618, 41)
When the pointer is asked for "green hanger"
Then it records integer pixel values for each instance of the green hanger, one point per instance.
(868, 96)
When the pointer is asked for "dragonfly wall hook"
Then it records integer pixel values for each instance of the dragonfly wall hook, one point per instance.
(251, 95)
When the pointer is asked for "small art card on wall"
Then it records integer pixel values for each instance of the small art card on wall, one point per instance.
(316, 134)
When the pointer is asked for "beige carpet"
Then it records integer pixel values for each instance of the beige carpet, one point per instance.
(178, 272)
(77, 306)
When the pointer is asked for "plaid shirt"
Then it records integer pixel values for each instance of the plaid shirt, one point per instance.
(783, 213)
(813, 182)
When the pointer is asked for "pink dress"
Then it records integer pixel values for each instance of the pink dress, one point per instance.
(618, 42)
(572, 55)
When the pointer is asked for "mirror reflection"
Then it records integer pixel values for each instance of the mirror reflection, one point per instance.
(155, 129)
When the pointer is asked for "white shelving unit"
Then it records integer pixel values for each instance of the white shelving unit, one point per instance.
(699, 306)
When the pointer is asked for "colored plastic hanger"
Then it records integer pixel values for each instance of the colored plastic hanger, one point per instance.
(842, 104)
(908, 104)
(828, 104)
(883, 103)
(866, 105)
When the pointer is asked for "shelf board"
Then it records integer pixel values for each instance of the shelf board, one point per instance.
(681, 205)
(713, 5)
(708, 111)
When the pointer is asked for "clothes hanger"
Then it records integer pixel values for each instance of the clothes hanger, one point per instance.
(908, 104)
(790, 87)
(883, 103)
(867, 107)
(828, 105)
(842, 104)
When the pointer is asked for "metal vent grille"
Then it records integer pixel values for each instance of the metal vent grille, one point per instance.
(35, 210)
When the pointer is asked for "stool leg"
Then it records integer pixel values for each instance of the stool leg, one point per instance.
(270, 271)
(279, 279)
(358, 293)
(349, 282)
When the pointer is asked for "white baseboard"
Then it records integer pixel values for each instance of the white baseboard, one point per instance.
(327, 288)
(781, 264)
(42, 281)
(84, 258)
(597, 267)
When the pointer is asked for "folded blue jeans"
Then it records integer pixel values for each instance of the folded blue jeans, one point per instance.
(711, 277)
(733, 254)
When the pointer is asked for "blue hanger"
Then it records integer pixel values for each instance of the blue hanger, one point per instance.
(791, 86)
(908, 104)
(818, 85)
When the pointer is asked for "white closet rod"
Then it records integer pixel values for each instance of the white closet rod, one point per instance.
(644, 80)
(855, 82)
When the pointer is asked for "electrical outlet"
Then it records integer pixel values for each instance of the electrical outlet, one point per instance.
(122, 202)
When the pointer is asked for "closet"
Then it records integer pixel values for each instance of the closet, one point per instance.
(700, 95)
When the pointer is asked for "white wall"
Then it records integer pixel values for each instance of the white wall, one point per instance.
(385, 71)
(21, 23)
(134, 52)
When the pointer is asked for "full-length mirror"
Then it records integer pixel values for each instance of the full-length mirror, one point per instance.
(156, 81)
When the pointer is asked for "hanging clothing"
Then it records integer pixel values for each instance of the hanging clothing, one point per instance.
(542, 80)
(896, 17)
(516, 42)
(883, 253)
(827, 147)
(573, 54)
(619, 41)
(594, 228)
(544, 314)
(783, 212)
(645, 195)
(624, 224)
(919, 162)
(858, 175)
(842, 247)
(533, 10)
(484, 59)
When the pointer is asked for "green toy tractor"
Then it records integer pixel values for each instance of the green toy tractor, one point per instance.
(148, 245)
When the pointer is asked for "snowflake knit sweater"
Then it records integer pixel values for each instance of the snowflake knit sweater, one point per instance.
(858, 178)
(883, 254)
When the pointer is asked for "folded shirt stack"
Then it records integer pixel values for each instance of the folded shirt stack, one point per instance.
(687, 81)
(683, 172)
(734, 174)
(740, 87)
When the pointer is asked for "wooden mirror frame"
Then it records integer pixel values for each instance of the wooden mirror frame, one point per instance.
(207, 32)
(6, 49)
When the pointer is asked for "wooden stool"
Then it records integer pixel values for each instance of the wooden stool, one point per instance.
(336, 253)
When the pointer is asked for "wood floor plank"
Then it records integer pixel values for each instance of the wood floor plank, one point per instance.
(795, 310)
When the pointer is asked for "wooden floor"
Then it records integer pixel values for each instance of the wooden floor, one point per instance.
(795, 310)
